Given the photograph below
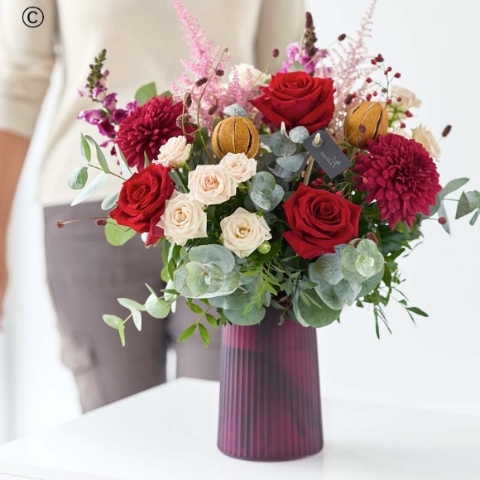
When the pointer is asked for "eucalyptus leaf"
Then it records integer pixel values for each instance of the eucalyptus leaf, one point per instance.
(442, 212)
(474, 218)
(121, 332)
(118, 235)
(328, 267)
(452, 186)
(338, 295)
(145, 93)
(85, 148)
(157, 307)
(78, 178)
(281, 173)
(137, 319)
(310, 314)
(281, 145)
(131, 304)
(293, 163)
(299, 134)
(112, 321)
(100, 155)
(255, 315)
(268, 202)
(125, 169)
(469, 201)
(235, 110)
(215, 254)
(91, 188)
(110, 201)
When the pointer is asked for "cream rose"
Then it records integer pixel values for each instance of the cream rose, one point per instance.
(243, 232)
(247, 75)
(211, 184)
(174, 153)
(183, 219)
(424, 136)
(241, 167)
(409, 99)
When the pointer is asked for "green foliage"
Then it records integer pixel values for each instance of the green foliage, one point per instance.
(118, 324)
(102, 161)
(145, 93)
(310, 310)
(85, 148)
(110, 201)
(157, 307)
(469, 202)
(298, 134)
(78, 178)
(235, 110)
(265, 193)
(91, 188)
(207, 271)
(117, 235)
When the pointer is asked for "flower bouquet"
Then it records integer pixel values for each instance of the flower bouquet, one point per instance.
(277, 200)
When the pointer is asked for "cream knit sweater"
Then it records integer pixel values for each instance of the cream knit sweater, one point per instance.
(144, 44)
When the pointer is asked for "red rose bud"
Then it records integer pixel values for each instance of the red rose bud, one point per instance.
(101, 222)
(371, 236)
(342, 37)
(59, 224)
(397, 75)
(275, 53)
(446, 130)
(188, 100)
(201, 81)
(349, 99)
(442, 220)
(219, 72)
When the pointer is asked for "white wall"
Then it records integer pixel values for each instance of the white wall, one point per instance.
(434, 364)
(434, 44)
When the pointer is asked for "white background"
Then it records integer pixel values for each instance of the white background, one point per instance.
(435, 364)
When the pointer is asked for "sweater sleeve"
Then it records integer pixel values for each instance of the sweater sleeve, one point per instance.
(281, 22)
(26, 61)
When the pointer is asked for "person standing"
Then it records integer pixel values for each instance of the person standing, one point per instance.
(86, 274)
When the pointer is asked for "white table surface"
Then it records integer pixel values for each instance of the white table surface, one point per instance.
(169, 432)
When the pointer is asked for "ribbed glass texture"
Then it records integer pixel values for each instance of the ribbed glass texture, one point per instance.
(269, 391)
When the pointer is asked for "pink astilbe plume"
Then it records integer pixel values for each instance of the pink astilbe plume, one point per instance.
(347, 65)
(203, 61)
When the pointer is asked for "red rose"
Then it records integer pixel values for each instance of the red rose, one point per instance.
(297, 99)
(319, 220)
(142, 201)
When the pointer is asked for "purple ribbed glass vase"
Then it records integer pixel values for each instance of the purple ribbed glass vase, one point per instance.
(269, 391)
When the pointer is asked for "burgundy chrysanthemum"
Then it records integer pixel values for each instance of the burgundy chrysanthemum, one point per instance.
(147, 128)
(400, 175)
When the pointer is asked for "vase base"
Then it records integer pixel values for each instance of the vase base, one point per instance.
(273, 459)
